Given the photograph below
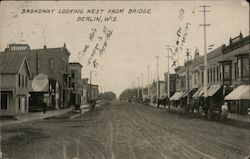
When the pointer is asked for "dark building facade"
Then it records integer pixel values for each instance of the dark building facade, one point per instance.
(76, 82)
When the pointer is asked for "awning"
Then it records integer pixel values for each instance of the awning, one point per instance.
(199, 92)
(186, 93)
(241, 92)
(176, 96)
(212, 90)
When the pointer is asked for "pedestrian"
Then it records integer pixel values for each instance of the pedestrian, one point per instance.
(44, 106)
(224, 110)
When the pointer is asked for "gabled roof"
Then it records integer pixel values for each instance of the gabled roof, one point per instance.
(10, 63)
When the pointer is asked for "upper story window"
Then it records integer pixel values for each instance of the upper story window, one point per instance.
(226, 71)
(245, 67)
(19, 80)
(217, 72)
(51, 63)
(26, 81)
(22, 80)
(73, 74)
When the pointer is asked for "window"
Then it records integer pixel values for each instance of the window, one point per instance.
(239, 67)
(211, 74)
(207, 75)
(217, 73)
(19, 103)
(19, 80)
(39, 63)
(51, 63)
(73, 74)
(221, 68)
(4, 101)
(227, 71)
(214, 74)
(245, 67)
(235, 70)
(22, 80)
(26, 81)
(202, 77)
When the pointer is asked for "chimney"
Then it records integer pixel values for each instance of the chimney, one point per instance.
(44, 46)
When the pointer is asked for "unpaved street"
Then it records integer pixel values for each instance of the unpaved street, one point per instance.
(123, 131)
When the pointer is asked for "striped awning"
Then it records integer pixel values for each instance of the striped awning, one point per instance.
(212, 90)
(176, 96)
(199, 92)
(241, 92)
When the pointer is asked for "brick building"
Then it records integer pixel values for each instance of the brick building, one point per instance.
(228, 68)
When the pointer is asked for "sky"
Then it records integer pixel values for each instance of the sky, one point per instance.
(135, 39)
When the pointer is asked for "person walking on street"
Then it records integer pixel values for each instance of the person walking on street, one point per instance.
(44, 106)
(224, 111)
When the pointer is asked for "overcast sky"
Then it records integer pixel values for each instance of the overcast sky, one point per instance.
(136, 39)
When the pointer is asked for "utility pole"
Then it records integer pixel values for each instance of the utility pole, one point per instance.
(142, 86)
(168, 48)
(188, 55)
(148, 80)
(157, 84)
(205, 50)
(138, 78)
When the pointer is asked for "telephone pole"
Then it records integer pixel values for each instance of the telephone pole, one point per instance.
(148, 80)
(188, 55)
(142, 86)
(204, 7)
(157, 72)
(168, 74)
(138, 91)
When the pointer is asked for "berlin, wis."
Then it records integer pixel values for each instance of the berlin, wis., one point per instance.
(125, 79)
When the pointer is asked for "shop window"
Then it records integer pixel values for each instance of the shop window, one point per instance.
(4, 100)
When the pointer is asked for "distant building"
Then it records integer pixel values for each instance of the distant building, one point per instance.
(93, 92)
(50, 64)
(14, 84)
(76, 83)
(172, 83)
(85, 88)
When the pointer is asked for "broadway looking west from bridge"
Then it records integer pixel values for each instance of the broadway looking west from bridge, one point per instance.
(165, 80)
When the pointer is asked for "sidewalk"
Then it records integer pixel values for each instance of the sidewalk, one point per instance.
(35, 116)
(241, 118)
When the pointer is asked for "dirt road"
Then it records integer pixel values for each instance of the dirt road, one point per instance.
(126, 131)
